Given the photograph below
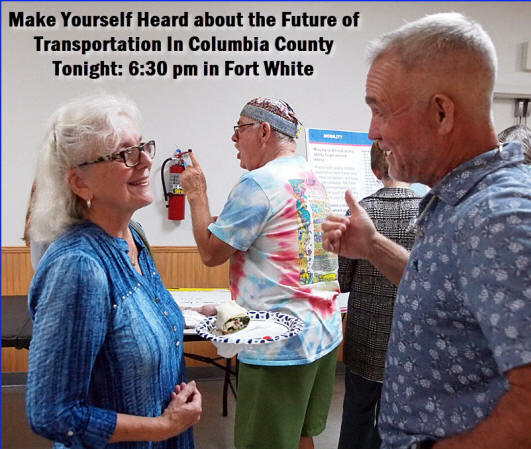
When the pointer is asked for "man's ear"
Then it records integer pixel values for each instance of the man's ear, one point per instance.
(265, 131)
(442, 113)
(77, 184)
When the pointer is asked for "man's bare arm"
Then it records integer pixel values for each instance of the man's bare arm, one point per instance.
(213, 251)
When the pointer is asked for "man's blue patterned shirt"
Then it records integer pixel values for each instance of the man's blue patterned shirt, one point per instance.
(462, 317)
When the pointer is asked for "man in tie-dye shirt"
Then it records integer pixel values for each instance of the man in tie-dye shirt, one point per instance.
(270, 228)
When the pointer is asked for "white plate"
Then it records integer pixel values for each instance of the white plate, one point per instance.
(264, 327)
(192, 318)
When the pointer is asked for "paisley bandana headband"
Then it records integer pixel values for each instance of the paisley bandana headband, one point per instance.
(275, 112)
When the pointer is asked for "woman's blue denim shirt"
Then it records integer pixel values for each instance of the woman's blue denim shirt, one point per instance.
(106, 340)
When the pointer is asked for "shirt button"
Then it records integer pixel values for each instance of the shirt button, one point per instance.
(114, 306)
(70, 433)
(174, 328)
(157, 300)
(165, 313)
(177, 343)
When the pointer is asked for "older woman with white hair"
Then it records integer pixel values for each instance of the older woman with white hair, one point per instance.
(106, 359)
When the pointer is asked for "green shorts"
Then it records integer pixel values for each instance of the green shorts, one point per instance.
(278, 404)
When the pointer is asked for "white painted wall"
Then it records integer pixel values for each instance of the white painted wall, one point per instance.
(199, 113)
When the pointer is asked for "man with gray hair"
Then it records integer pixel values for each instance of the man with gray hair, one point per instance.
(270, 228)
(458, 370)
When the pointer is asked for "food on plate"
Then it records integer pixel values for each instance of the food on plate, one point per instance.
(231, 317)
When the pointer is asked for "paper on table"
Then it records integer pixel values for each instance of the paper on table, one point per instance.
(187, 298)
(200, 297)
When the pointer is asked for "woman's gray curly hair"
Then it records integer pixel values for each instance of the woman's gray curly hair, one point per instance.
(77, 132)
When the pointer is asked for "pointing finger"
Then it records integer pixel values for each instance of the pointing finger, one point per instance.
(195, 162)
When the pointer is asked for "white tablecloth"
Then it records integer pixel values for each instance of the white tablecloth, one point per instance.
(197, 297)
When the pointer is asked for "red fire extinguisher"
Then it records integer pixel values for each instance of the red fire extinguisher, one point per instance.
(175, 197)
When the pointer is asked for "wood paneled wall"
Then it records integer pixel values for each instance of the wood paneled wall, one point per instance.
(16, 270)
(179, 267)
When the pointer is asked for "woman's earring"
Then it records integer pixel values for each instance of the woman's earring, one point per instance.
(89, 203)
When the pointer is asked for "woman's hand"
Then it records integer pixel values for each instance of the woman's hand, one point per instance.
(184, 409)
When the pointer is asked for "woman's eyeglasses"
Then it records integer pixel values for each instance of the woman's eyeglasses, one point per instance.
(130, 156)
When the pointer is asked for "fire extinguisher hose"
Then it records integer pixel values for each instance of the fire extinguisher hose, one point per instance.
(166, 194)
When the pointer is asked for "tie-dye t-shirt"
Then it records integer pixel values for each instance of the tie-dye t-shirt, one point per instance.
(273, 218)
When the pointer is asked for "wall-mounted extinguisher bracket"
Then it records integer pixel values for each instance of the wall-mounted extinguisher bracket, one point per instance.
(174, 196)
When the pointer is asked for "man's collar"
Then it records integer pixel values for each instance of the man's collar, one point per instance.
(456, 184)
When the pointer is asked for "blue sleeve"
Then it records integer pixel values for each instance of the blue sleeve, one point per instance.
(495, 278)
(71, 313)
(243, 216)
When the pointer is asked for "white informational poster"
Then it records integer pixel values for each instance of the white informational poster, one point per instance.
(341, 160)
